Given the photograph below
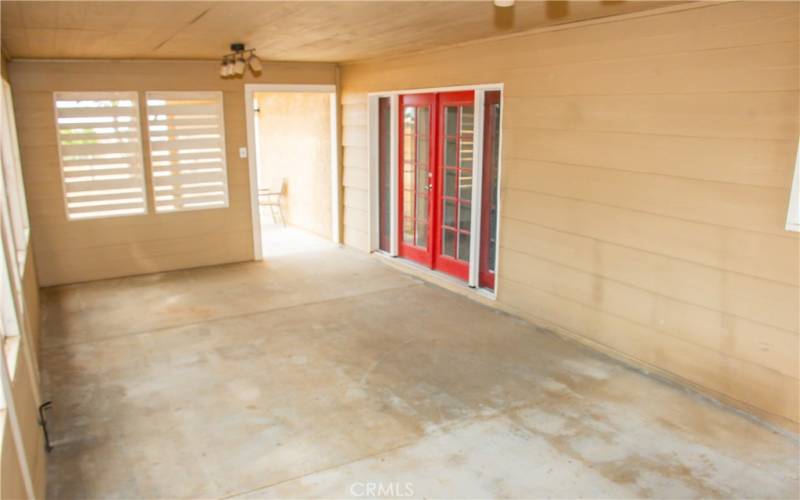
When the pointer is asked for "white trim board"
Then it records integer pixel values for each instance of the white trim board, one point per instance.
(250, 90)
(793, 213)
(426, 90)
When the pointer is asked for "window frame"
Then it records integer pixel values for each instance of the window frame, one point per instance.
(133, 95)
(13, 180)
(793, 212)
(14, 344)
(223, 140)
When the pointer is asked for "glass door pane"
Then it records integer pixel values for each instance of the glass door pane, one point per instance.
(455, 150)
(384, 173)
(416, 177)
(491, 163)
(409, 164)
(457, 144)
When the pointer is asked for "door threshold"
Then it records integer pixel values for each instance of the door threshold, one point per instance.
(438, 278)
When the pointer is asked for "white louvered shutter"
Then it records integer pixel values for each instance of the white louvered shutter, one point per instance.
(100, 151)
(187, 150)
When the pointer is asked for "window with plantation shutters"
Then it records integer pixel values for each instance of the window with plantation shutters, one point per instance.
(187, 150)
(100, 151)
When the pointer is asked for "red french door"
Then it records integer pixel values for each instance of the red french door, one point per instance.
(436, 161)
(454, 162)
(416, 180)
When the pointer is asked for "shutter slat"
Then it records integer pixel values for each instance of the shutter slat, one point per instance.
(181, 135)
(98, 170)
(178, 123)
(101, 178)
(89, 185)
(194, 202)
(177, 110)
(104, 112)
(137, 206)
(78, 162)
(175, 147)
(189, 178)
(174, 156)
(205, 187)
(183, 123)
(96, 122)
(74, 135)
(104, 196)
(131, 149)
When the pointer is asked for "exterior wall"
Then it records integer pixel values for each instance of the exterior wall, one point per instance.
(24, 395)
(295, 144)
(27, 411)
(646, 169)
(74, 251)
(11, 484)
(26, 405)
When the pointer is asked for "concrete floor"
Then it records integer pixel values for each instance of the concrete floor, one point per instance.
(328, 374)
(280, 241)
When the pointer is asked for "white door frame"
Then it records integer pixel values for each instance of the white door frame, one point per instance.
(372, 151)
(250, 90)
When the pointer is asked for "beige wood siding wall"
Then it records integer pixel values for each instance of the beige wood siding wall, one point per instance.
(73, 251)
(646, 171)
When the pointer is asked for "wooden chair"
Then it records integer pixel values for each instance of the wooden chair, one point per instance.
(269, 197)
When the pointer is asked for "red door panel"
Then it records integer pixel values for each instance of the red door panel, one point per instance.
(454, 164)
(416, 163)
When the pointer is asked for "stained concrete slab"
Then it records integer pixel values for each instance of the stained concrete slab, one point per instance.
(328, 374)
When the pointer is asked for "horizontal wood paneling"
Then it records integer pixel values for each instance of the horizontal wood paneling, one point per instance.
(356, 174)
(762, 301)
(357, 199)
(767, 256)
(740, 161)
(706, 115)
(758, 389)
(757, 208)
(728, 69)
(356, 238)
(646, 171)
(355, 219)
(68, 252)
(746, 340)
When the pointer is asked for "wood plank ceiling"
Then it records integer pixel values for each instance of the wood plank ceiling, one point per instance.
(280, 31)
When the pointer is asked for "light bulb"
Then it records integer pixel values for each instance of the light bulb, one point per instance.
(255, 63)
(229, 69)
(239, 65)
(223, 71)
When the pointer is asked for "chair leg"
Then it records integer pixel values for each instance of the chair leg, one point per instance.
(280, 210)
(274, 215)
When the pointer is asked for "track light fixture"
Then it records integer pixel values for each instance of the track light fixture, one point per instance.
(235, 63)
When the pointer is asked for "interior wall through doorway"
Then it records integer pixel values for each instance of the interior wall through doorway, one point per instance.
(294, 155)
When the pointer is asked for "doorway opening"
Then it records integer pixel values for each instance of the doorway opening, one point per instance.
(293, 168)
